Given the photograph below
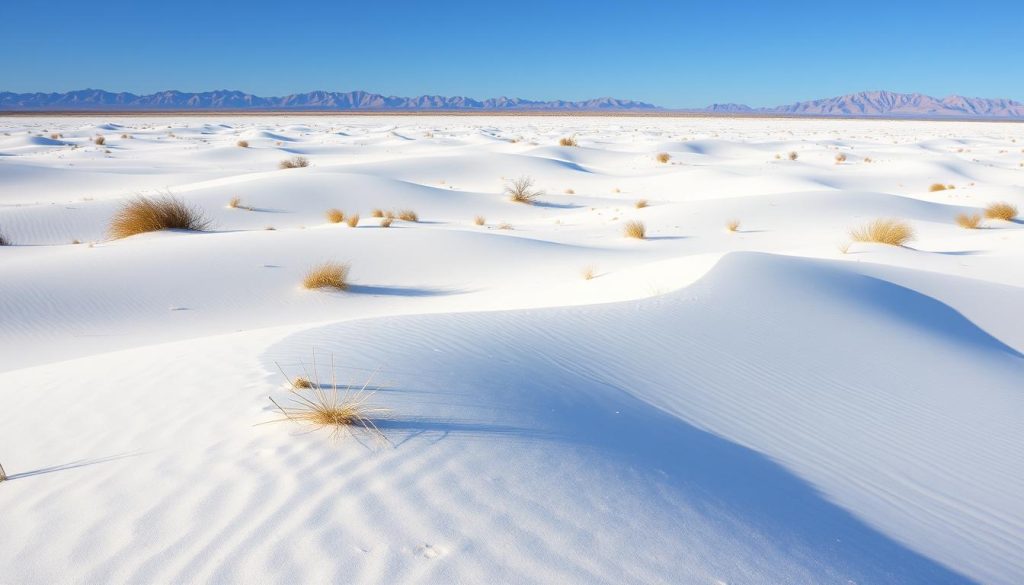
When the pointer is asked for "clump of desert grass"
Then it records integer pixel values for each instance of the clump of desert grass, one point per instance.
(294, 162)
(664, 157)
(640, 203)
(385, 222)
(152, 214)
(1001, 210)
(893, 232)
(408, 215)
(338, 409)
(389, 214)
(377, 213)
(335, 215)
(3, 240)
(521, 190)
(235, 202)
(939, 187)
(352, 220)
(634, 229)
(505, 226)
(840, 158)
(480, 220)
(242, 144)
(3, 474)
(99, 140)
(327, 275)
(301, 382)
(969, 222)
(588, 272)
(843, 247)
(54, 136)
(568, 141)
(573, 191)
(732, 225)
(793, 155)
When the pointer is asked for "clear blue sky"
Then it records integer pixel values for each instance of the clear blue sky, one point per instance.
(675, 54)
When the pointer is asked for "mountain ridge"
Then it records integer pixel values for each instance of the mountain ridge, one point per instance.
(888, 103)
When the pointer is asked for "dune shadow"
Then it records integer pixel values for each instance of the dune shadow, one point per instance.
(654, 238)
(401, 291)
(957, 252)
(550, 205)
(405, 429)
(72, 465)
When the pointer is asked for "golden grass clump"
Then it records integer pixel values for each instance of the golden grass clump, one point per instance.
(243, 143)
(588, 272)
(294, 162)
(99, 140)
(969, 222)
(1001, 210)
(664, 157)
(145, 214)
(937, 187)
(793, 155)
(408, 215)
(504, 226)
(335, 215)
(732, 225)
(385, 222)
(640, 203)
(352, 220)
(54, 136)
(634, 229)
(840, 158)
(235, 202)
(339, 409)
(301, 382)
(480, 220)
(389, 214)
(521, 190)
(568, 141)
(327, 275)
(893, 232)
(573, 191)
(377, 213)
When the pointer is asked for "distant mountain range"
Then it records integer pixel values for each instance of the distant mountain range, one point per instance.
(95, 99)
(887, 103)
(863, 104)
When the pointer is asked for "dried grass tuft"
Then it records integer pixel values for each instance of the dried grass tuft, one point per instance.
(335, 215)
(352, 220)
(634, 229)
(408, 215)
(144, 214)
(480, 220)
(377, 213)
(588, 272)
(893, 232)
(664, 157)
(243, 143)
(294, 163)
(1001, 210)
(385, 222)
(937, 187)
(521, 190)
(969, 222)
(327, 275)
(568, 141)
(732, 225)
(641, 203)
(793, 155)
(99, 140)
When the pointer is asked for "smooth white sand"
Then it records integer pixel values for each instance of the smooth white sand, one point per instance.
(712, 407)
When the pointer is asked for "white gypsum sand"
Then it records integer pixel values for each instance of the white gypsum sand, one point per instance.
(772, 404)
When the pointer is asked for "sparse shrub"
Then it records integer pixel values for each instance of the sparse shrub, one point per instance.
(641, 203)
(840, 158)
(568, 141)
(385, 222)
(340, 409)
(294, 163)
(1001, 210)
(389, 214)
(99, 140)
(124, 137)
(243, 143)
(732, 225)
(634, 229)
(327, 275)
(479, 220)
(504, 226)
(144, 214)
(588, 272)
(521, 190)
(54, 136)
(793, 155)
(893, 232)
(867, 159)
(937, 187)
(377, 213)
(352, 220)
(408, 215)
(969, 222)
(234, 202)
(301, 382)
(335, 215)
(573, 192)
(3, 240)
(664, 157)
(843, 247)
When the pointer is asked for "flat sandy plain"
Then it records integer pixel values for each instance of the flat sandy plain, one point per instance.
(767, 405)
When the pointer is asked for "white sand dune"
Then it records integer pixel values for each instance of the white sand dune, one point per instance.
(711, 407)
